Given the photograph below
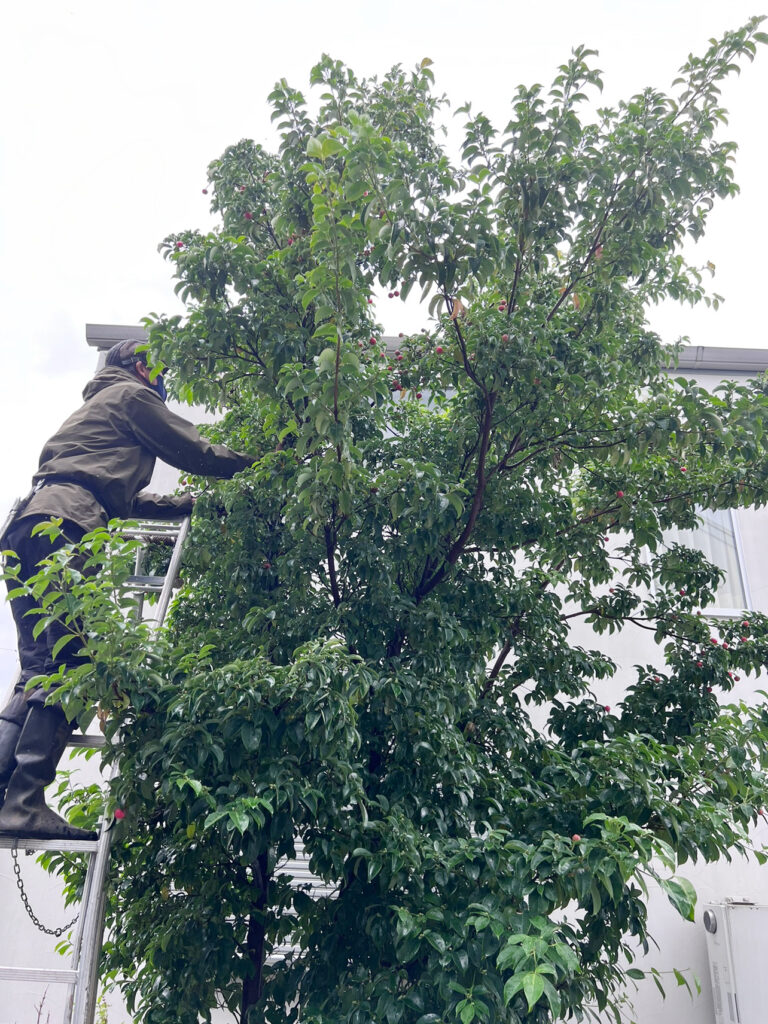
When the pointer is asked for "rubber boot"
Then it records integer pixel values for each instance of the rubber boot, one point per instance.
(9, 735)
(25, 814)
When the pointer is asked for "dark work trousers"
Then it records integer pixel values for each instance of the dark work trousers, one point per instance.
(36, 654)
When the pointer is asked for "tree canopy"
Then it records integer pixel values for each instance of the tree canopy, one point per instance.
(372, 653)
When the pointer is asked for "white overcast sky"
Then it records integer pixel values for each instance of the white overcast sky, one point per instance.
(112, 112)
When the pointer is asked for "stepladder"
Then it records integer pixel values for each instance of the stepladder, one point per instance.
(78, 973)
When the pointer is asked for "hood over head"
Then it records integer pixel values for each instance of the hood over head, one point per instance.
(107, 377)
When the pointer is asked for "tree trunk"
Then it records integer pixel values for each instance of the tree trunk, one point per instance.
(254, 943)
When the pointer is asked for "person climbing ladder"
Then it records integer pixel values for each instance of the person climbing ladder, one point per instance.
(92, 470)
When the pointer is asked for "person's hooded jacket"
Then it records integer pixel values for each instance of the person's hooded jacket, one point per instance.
(95, 465)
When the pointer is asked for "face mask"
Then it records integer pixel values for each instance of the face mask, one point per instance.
(158, 385)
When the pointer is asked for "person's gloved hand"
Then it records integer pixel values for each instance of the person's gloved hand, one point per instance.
(186, 503)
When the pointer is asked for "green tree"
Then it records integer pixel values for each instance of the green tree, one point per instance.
(372, 651)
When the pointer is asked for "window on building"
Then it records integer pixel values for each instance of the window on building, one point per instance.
(717, 538)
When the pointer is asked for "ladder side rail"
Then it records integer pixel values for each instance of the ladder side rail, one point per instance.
(85, 958)
(77, 943)
(138, 565)
(171, 573)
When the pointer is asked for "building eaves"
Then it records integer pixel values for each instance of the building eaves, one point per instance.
(692, 358)
(104, 336)
(714, 359)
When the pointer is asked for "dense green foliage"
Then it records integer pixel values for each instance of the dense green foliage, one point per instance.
(372, 652)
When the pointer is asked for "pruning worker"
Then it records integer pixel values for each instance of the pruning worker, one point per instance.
(90, 471)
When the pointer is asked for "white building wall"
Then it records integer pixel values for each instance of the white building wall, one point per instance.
(682, 944)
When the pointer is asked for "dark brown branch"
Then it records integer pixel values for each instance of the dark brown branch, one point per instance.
(503, 654)
(330, 544)
(497, 666)
(636, 620)
(477, 503)
(462, 343)
(515, 281)
(255, 947)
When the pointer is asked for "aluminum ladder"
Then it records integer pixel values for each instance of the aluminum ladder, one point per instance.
(82, 975)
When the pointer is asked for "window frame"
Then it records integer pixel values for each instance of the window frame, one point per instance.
(723, 611)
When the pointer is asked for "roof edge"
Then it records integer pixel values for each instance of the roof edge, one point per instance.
(719, 359)
(699, 358)
(104, 336)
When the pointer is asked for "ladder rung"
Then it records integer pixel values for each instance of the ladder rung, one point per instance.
(38, 974)
(56, 845)
(86, 740)
(147, 584)
(161, 536)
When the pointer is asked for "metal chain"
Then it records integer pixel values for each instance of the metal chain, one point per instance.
(57, 932)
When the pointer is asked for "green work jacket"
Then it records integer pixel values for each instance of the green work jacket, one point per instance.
(98, 461)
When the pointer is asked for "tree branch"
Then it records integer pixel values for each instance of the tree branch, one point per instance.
(255, 947)
(477, 503)
(330, 544)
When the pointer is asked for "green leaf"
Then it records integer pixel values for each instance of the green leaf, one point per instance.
(61, 643)
(512, 986)
(681, 895)
(533, 988)
(326, 361)
(240, 820)
(315, 148)
(467, 1012)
